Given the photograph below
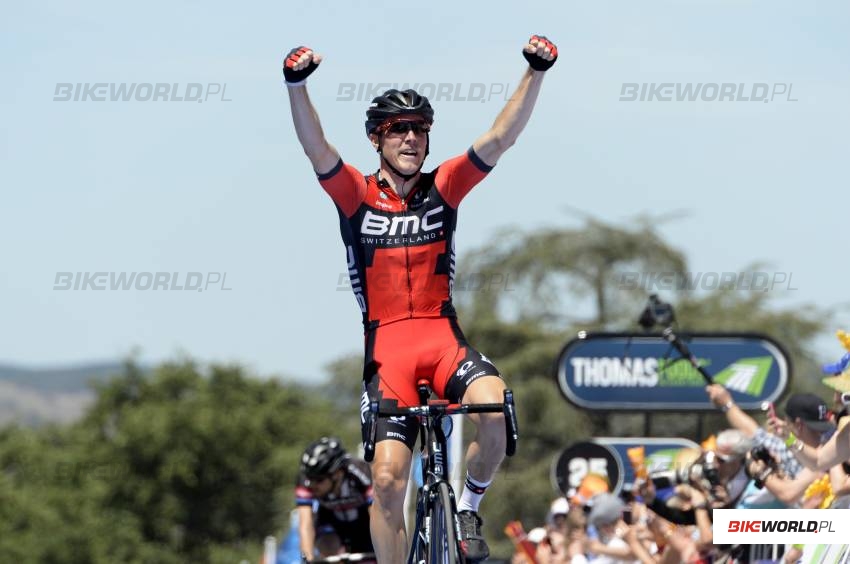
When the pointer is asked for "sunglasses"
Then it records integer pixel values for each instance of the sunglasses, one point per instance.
(402, 127)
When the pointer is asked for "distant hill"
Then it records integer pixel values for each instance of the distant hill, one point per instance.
(60, 378)
(34, 396)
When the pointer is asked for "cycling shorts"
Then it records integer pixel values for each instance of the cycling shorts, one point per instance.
(401, 353)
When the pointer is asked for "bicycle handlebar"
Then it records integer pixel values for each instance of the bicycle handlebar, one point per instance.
(441, 408)
(365, 557)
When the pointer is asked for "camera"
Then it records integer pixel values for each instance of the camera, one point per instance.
(656, 313)
(703, 474)
(760, 452)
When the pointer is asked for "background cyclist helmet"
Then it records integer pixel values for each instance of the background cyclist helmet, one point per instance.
(322, 457)
(394, 103)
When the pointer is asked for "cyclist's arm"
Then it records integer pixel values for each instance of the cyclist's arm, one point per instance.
(322, 154)
(511, 120)
(306, 531)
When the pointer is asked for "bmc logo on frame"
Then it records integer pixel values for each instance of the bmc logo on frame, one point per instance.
(788, 526)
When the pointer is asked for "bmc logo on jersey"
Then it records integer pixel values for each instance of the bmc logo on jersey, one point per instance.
(374, 224)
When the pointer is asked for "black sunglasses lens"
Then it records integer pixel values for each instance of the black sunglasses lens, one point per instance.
(402, 127)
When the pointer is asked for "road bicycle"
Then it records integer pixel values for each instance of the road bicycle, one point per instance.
(436, 533)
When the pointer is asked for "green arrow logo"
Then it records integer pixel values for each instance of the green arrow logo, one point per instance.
(747, 375)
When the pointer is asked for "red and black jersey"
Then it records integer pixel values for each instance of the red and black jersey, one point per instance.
(400, 251)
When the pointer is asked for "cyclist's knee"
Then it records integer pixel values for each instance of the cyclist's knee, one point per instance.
(389, 472)
(487, 389)
(387, 482)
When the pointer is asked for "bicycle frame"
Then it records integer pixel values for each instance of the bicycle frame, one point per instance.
(435, 471)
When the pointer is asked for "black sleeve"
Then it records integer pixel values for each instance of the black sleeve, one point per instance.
(673, 515)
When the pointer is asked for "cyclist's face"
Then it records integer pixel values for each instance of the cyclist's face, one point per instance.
(402, 142)
(321, 486)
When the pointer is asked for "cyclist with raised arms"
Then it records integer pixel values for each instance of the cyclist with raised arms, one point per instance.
(398, 226)
(333, 494)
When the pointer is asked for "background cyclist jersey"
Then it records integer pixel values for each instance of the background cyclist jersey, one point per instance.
(355, 492)
(400, 252)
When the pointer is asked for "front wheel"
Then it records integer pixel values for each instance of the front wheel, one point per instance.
(442, 546)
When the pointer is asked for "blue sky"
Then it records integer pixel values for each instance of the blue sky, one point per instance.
(223, 186)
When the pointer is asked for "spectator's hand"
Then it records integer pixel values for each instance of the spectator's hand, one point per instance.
(697, 497)
(299, 63)
(621, 528)
(719, 496)
(693, 495)
(632, 537)
(778, 427)
(575, 548)
(755, 467)
(577, 535)
(540, 53)
(718, 395)
(814, 501)
(647, 491)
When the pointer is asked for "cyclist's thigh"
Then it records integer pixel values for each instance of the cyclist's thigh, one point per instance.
(391, 467)
(389, 377)
(464, 374)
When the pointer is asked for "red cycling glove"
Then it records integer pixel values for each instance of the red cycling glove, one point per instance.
(291, 59)
(537, 62)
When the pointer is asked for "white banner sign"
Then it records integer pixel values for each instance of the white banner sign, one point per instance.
(786, 526)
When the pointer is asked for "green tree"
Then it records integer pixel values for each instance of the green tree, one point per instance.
(175, 466)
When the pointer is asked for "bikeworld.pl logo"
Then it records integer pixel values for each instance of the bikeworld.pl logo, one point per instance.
(780, 526)
(435, 92)
(154, 281)
(139, 92)
(789, 526)
(706, 92)
(747, 281)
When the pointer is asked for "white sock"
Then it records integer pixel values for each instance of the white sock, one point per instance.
(473, 491)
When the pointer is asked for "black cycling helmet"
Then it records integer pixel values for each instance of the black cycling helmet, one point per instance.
(322, 457)
(394, 103)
